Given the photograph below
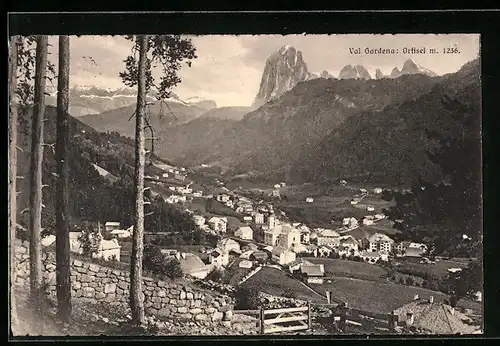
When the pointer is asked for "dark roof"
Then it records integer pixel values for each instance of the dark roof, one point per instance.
(260, 254)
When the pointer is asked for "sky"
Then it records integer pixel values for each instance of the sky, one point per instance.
(229, 68)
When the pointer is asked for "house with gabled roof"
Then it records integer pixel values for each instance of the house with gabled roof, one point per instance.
(428, 317)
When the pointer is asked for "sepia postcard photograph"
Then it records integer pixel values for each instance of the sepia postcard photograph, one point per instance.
(245, 185)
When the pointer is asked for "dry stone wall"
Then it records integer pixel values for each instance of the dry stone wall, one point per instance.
(95, 283)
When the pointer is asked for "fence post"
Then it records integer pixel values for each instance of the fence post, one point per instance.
(343, 317)
(262, 320)
(392, 321)
(309, 314)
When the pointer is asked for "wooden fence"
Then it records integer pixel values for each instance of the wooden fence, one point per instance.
(282, 320)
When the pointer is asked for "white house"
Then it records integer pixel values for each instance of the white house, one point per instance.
(313, 273)
(328, 237)
(289, 236)
(305, 235)
(218, 257)
(244, 232)
(247, 219)
(108, 249)
(222, 198)
(277, 186)
(199, 220)
(370, 208)
(368, 220)
(283, 184)
(380, 242)
(218, 224)
(379, 216)
(165, 175)
(370, 257)
(271, 236)
(111, 225)
(309, 200)
(228, 245)
(245, 264)
(282, 256)
(349, 242)
(258, 218)
(363, 190)
(377, 190)
(48, 240)
(122, 233)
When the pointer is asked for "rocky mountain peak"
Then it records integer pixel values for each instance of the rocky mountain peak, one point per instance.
(325, 74)
(411, 67)
(395, 72)
(283, 70)
(354, 71)
(379, 74)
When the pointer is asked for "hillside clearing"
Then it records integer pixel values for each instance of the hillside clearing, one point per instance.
(346, 268)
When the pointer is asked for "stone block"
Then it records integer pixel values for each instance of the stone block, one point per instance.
(161, 284)
(93, 284)
(76, 285)
(123, 285)
(196, 311)
(86, 278)
(100, 275)
(182, 310)
(217, 316)
(201, 317)
(210, 310)
(88, 292)
(197, 303)
(186, 316)
(100, 295)
(161, 293)
(189, 295)
(164, 312)
(110, 288)
(94, 268)
(183, 295)
(50, 267)
(86, 265)
(81, 270)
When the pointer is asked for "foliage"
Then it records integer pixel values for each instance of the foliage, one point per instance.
(153, 259)
(409, 281)
(216, 275)
(247, 297)
(90, 238)
(466, 282)
(289, 293)
(439, 214)
(173, 268)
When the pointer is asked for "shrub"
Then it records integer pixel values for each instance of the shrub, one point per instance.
(216, 275)
(410, 281)
(453, 301)
(247, 298)
(356, 259)
(289, 293)
(173, 269)
(401, 280)
(393, 277)
(153, 260)
(425, 284)
(417, 284)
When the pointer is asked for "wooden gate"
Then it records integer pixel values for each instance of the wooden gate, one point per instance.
(285, 320)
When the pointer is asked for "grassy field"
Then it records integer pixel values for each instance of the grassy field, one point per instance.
(375, 296)
(276, 282)
(440, 269)
(345, 268)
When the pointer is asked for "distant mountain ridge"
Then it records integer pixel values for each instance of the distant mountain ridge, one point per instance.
(90, 99)
(284, 137)
(355, 72)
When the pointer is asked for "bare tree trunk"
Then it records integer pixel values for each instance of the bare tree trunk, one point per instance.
(62, 203)
(136, 297)
(13, 174)
(36, 170)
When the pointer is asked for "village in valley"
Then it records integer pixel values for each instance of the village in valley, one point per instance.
(321, 205)
(255, 237)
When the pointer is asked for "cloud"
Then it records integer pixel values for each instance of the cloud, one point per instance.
(229, 68)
